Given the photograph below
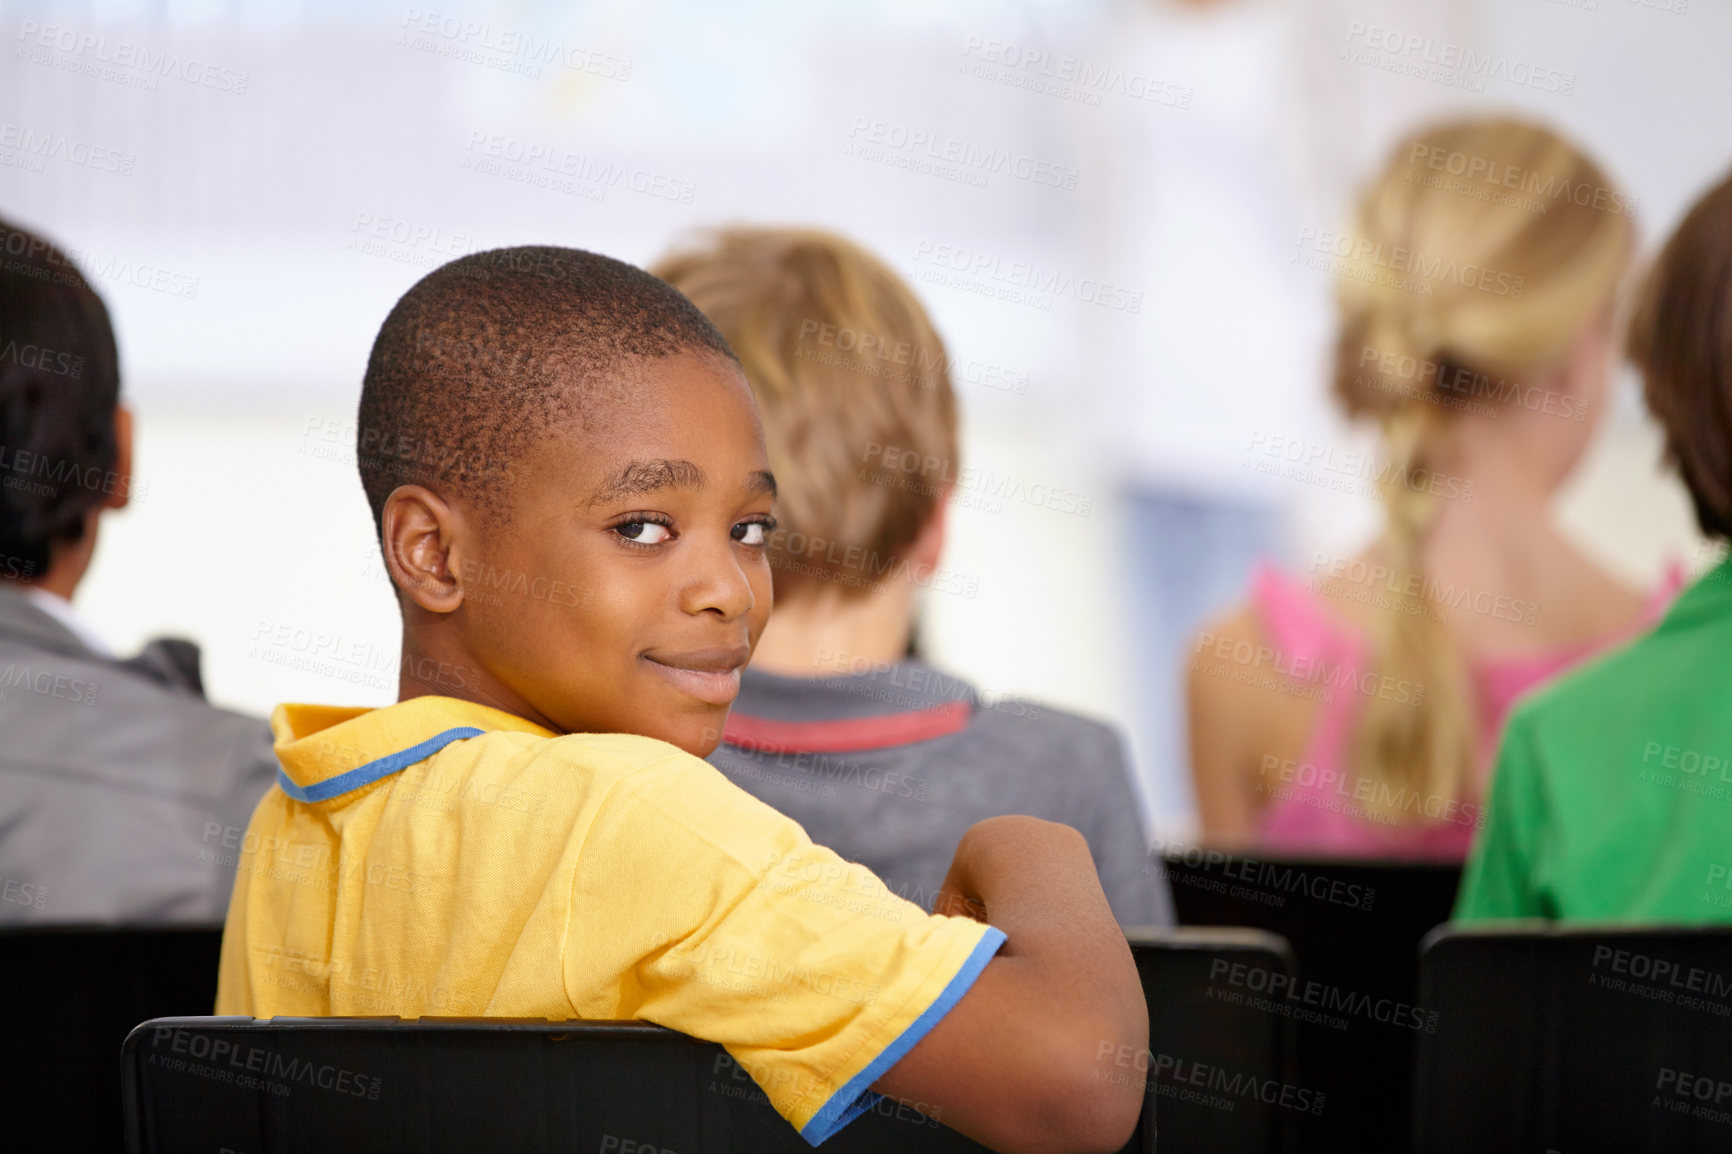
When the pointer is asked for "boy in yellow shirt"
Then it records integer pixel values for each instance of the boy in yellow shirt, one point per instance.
(570, 485)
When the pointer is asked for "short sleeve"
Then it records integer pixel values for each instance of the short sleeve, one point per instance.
(696, 906)
(1501, 878)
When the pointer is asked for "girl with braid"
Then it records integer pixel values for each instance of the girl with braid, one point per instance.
(1353, 709)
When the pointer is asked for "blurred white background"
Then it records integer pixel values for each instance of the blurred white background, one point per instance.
(277, 174)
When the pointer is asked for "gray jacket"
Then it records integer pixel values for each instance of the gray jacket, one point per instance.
(123, 793)
(824, 751)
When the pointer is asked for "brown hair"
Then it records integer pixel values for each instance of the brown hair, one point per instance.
(851, 379)
(1681, 340)
(1482, 250)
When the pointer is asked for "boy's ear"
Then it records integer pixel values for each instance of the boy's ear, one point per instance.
(418, 534)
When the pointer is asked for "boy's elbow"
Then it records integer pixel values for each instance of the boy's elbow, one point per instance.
(1073, 1119)
(1092, 1102)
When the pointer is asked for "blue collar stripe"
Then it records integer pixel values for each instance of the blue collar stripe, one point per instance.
(363, 775)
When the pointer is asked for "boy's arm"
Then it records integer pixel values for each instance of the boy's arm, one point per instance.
(1025, 1061)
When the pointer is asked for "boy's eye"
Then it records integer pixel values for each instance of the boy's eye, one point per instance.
(750, 532)
(643, 532)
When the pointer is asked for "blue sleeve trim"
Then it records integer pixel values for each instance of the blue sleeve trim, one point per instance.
(363, 775)
(857, 1097)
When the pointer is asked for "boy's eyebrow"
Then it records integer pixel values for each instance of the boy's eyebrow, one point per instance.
(639, 477)
(652, 476)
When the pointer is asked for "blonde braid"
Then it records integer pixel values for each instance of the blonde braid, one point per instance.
(1414, 743)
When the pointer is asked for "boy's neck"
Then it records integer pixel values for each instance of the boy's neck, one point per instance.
(828, 635)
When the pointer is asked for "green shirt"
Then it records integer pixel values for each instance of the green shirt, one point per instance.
(1612, 797)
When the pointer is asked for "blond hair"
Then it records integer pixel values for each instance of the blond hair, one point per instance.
(1482, 251)
(851, 379)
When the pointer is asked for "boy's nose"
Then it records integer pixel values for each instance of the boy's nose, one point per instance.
(718, 584)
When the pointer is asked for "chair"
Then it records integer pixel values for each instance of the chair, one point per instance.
(1222, 1067)
(1576, 1038)
(73, 992)
(292, 1085)
(289, 1085)
(1355, 927)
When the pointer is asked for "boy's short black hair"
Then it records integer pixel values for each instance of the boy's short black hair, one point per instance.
(485, 354)
(59, 388)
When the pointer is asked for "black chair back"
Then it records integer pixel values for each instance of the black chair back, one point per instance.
(1576, 1038)
(306, 1085)
(1221, 1068)
(1355, 927)
(72, 994)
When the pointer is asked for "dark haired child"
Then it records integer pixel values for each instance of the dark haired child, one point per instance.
(540, 838)
(119, 782)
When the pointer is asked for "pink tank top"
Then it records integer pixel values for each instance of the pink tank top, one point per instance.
(1312, 806)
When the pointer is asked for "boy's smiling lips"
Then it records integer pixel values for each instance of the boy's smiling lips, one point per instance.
(710, 675)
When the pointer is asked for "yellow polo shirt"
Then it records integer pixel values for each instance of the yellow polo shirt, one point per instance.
(439, 858)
